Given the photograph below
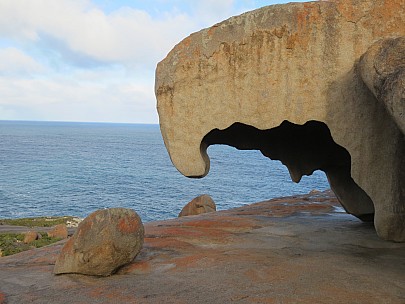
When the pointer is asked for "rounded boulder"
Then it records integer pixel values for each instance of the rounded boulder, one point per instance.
(31, 236)
(59, 231)
(201, 204)
(103, 242)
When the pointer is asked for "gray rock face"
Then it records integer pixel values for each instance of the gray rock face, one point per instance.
(105, 240)
(201, 204)
(285, 80)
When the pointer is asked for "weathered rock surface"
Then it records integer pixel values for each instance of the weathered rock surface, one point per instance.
(301, 249)
(284, 80)
(59, 231)
(382, 68)
(31, 236)
(104, 241)
(198, 205)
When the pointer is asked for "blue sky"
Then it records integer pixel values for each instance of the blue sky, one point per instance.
(94, 60)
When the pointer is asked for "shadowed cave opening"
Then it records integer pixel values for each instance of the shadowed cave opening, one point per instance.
(302, 149)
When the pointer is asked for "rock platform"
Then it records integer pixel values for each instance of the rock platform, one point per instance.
(299, 249)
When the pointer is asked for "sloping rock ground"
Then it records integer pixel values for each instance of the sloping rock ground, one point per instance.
(300, 249)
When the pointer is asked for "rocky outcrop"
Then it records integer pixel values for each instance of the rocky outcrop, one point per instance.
(284, 79)
(104, 241)
(198, 205)
(382, 68)
(59, 231)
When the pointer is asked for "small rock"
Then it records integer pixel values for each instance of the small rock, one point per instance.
(59, 231)
(30, 236)
(201, 204)
(103, 242)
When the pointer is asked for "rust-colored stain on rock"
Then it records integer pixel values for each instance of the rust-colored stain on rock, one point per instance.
(112, 296)
(167, 243)
(2, 298)
(127, 226)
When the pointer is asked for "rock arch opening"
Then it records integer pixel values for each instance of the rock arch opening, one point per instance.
(302, 149)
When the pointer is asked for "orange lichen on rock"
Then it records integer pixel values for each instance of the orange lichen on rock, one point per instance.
(127, 226)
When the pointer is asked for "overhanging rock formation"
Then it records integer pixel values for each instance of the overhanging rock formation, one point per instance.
(286, 80)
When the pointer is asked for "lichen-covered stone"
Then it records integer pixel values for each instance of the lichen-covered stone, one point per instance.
(104, 241)
(198, 205)
(293, 64)
(59, 231)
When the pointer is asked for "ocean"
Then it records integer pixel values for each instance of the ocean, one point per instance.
(64, 168)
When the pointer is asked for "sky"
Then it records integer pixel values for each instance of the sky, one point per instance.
(95, 60)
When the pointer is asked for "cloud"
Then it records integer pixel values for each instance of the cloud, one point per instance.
(15, 62)
(88, 65)
(79, 27)
(78, 99)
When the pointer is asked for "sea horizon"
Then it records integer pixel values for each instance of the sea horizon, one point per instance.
(55, 168)
(78, 122)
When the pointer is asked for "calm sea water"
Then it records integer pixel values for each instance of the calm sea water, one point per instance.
(55, 168)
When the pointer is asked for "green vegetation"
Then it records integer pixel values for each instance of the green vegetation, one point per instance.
(12, 243)
(38, 221)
